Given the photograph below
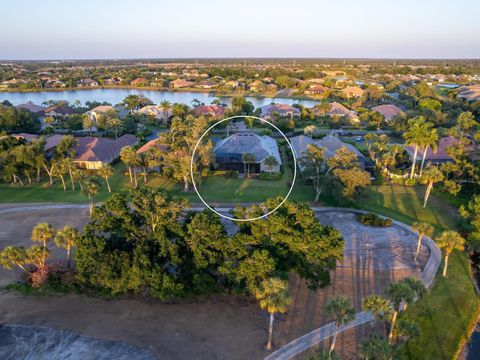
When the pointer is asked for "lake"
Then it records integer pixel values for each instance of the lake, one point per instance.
(115, 96)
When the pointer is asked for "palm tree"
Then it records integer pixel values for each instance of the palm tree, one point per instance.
(116, 124)
(273, 297)
(43, 233)
(431, 176)
(166, 106)
(376, 348)
(14, 255)
(247, 159)
(342, 311)
(415, 136)
(69, 166)
(309, 130)
(59, 169)
(398, 292)
(90, 188)
(449, 241)
(417, 287)
(378, 305)
(131, 159)
(430, 141)
(87, 123)
(404, 330)
(270, 162)
(423, 229)
(66, 238)
(370, 138)
(106, 171)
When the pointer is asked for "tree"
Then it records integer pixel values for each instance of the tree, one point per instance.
(66, 238)
(423, 229)
(313, 164)
(247, 159)
(310, 130)
(179, 143)
(429, 141)
(404, 330)
(274, 298)
(415, 135)
(342, 311)
(166, 106)
(416, 286)
(448, 241)
(43, 233)
(431, 176)
(398, 292)
(270, 162)
(105, 171)
(90, 189)
(88, 123)
(14, 256)
(378, 305)
(134, 102)
(376, 348)
(347, 172)
(131, 160)
(471, 215)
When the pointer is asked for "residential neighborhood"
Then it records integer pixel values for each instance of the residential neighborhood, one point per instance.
(255, 180)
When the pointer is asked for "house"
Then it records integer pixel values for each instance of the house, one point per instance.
(209, 110)
(337, 109)
(92, 152)
(95, 113)
(33, 108)
(180, 83)
(146, 149)
(112, 81)
(87, 83)
(257, 86)
(229, 152)
(316, 90)
(469, 93)
(330, 144)
(59, 109)
(388, 111)
(157, 111)
(352, 91)
(438, 157)
(51, 142)
(206, 85)
(281, 110)
(139, 82)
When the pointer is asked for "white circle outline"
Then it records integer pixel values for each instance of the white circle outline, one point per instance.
(294, 168)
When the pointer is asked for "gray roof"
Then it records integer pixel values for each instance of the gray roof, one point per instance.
(246, 142)
(330, 143)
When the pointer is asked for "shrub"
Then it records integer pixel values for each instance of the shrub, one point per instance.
(371, 219)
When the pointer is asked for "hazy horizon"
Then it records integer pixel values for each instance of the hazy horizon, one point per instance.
(214, 29)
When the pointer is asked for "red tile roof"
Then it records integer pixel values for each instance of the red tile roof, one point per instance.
(388, 111)
(214, 110)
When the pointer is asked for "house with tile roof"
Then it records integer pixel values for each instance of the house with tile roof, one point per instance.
(388, 111)
(92, 152)
(229, 151)
(30, 106)
(281, 110)
(209, 110)
(337, 109)
(438, 157)
(352, 91)
(330, 144)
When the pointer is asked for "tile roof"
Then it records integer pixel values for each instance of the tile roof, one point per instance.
(330, 143)
(151, 144)
(388, 111)
(101, 149)
(34, 108)
(246, 142)
(214, 110)
(441, 153)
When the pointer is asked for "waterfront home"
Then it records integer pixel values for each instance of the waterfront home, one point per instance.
(469, 93)
(139, 82)
(33, 108)
(230, 150)
(330, 144)
(209, 110)
(180, 83)
(58, 110)
(93, 152)
(87, 83)
(206, 85)
(273, 111)
(157, 111)
(338, 110)
(388, 111)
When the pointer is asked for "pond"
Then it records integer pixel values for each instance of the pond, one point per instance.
(115, 96)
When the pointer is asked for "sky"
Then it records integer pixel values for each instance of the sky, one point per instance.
(105, 29)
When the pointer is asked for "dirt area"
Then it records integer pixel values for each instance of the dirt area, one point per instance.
(216, 328)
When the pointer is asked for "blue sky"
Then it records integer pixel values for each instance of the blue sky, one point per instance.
(73, 29)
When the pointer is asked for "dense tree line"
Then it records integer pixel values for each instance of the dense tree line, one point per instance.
(151, 247)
